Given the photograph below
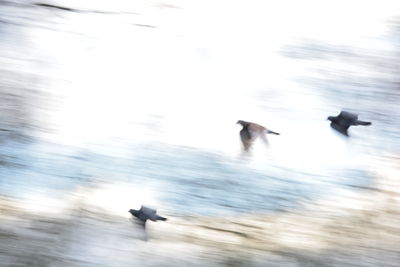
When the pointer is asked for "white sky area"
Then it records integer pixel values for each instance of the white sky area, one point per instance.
(187, 81)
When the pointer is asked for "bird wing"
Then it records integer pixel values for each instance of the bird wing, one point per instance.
(149, 213)
(340, 128)
(256, 128)
(147, 210)
(351, 117)
(245, 135)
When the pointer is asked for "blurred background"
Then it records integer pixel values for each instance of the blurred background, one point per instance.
(109, 105)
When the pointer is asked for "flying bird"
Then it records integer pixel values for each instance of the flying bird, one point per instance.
(145, 213)
(344, 120)
(251, 131)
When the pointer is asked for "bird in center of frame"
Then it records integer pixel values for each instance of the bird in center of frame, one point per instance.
(145, 213)
(251, 131)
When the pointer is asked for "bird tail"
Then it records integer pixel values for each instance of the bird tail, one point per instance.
(365, 123)
(272, 132)
(161, 218)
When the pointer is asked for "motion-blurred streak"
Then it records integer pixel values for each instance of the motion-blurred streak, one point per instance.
(70, 9)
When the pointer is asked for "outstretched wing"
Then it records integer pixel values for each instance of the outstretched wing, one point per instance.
(340, 128)
(147, 211)
(245, 137)
(348, 116)
(151, 214)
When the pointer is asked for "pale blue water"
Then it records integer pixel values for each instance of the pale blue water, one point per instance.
(156, 107)
(186, 181)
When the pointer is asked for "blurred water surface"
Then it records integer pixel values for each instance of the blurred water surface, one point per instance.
(143, 97)
(149, 94)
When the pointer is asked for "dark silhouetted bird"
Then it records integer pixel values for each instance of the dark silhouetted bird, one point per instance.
(145, 214)
(344, 120)
(251, 131)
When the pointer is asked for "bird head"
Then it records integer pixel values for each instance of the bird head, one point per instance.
(134, 212)
(241, 122)
(330, 118)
